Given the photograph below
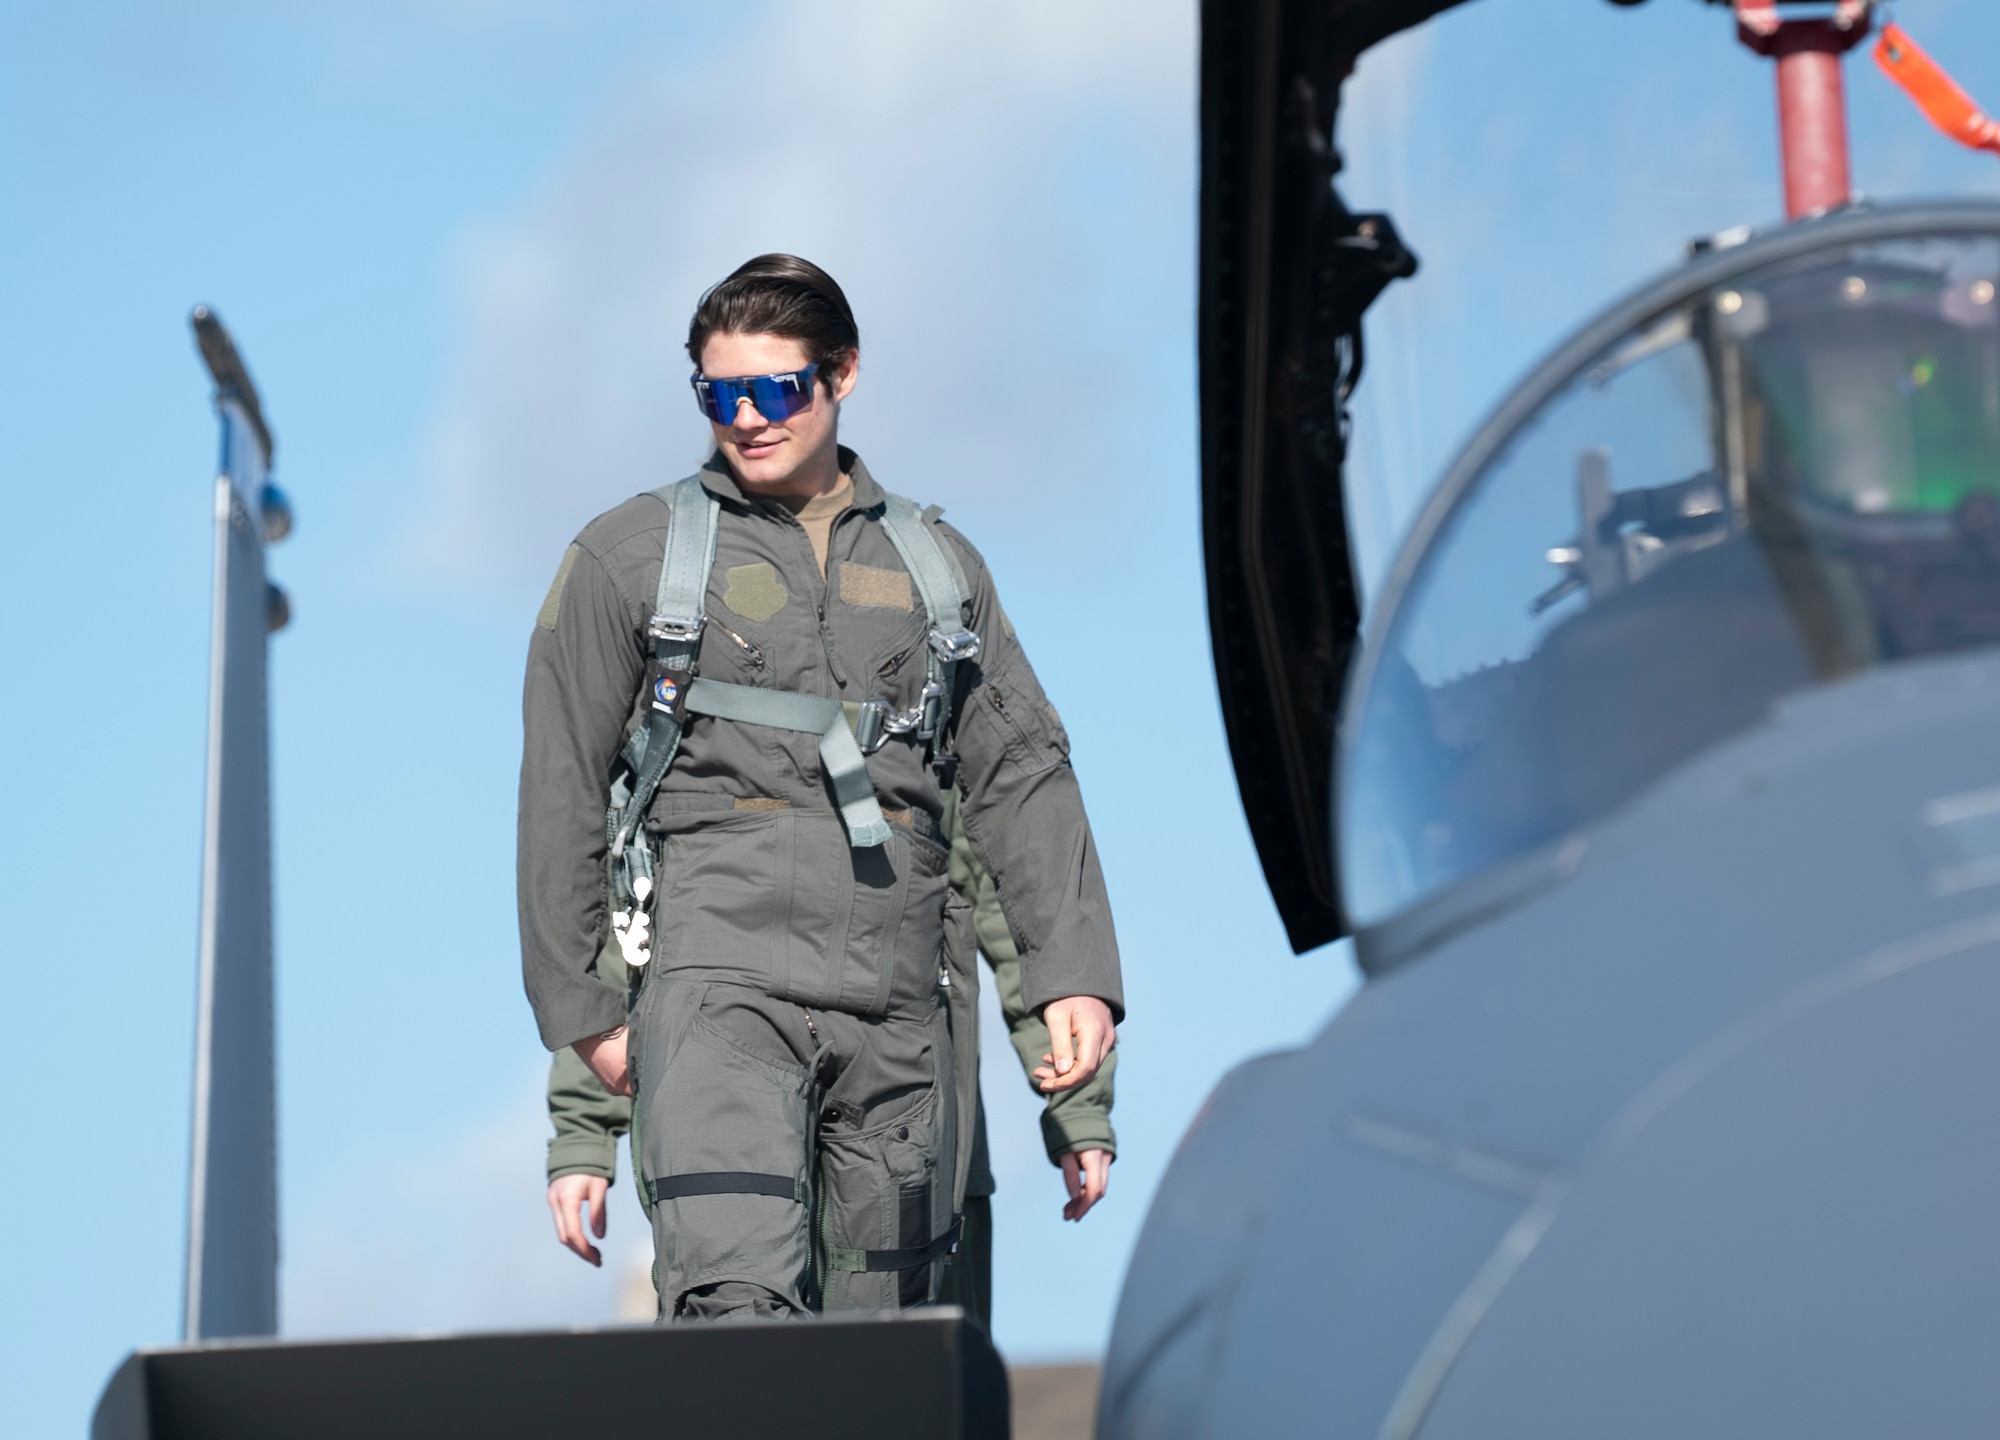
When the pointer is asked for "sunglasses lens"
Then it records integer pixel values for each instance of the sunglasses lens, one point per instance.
(776, 397)
(704, 396)
(779, 397)
(722, 397)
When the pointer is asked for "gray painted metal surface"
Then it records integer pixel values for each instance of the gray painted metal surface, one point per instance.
(1684, 1125)
(1700, 1141)
(232, 1249)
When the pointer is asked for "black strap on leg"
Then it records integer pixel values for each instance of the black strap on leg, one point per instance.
(723, 1182)
(906, 1259)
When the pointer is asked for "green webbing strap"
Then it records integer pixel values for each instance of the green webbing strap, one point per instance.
(784, 710)
(944, 597)
(676, 630)
(690, 549)
(942, 585)
(909, 1259)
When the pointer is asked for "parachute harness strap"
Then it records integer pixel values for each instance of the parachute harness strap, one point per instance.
(950, 644)
(678, 615)
(846, 771)
(673, 692)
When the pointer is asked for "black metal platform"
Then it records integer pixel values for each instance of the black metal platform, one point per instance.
(934, 1374)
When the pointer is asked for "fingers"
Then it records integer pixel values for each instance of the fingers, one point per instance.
(599, 1187)
(1087, 1175)
(1097, 1174)
(1073, 1182)
(1062, 1044)
(567, 1193)
(1081, 1034)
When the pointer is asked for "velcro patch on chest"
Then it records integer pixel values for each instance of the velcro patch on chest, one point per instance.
(865, 585)
(754, 591)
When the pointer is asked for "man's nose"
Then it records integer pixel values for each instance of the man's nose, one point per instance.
(746, 417)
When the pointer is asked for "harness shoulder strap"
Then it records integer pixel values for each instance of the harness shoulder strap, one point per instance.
(690, 552)
(941, 582)
(675, 630)
(939, 579)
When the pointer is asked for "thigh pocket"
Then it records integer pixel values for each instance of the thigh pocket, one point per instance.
(887, 1212)
(725, 1149)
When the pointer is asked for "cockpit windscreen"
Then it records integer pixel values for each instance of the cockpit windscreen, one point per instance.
(1794, 477)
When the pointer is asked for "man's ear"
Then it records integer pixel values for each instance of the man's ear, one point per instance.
(845, 373)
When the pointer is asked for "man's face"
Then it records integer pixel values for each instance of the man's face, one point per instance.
(791, 456)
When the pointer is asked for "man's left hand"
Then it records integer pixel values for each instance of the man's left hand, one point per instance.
(1080, 1036)
(1086, 1175)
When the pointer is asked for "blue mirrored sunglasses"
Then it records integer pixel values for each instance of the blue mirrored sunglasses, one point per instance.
(775, 397)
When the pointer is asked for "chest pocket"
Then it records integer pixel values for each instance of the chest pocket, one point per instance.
(882, 614)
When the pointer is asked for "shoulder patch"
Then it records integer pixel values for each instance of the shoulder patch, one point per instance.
(754, 591)
(552, 602)
(866, 585)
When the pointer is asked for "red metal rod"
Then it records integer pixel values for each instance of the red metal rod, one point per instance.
(1812, 97)
(1812, 118)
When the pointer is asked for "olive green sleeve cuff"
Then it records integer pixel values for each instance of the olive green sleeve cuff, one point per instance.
(587, 1119)
(1080, 1119)
(584, 1155)
(1065, 1134)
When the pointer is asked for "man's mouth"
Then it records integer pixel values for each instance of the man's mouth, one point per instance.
(759, 448)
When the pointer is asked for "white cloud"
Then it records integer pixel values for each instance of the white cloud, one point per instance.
(1005, 193)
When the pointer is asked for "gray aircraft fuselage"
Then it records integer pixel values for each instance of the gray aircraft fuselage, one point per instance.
(1682, 1119)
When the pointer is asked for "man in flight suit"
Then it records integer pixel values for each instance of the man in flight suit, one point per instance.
(1076, 1121)
(789, 1048)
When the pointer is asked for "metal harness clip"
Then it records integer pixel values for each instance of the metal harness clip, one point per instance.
(952, 648)
(878, 720)
(930, 710)
(684, 628)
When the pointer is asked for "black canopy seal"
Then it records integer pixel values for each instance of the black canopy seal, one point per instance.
(1287, 271)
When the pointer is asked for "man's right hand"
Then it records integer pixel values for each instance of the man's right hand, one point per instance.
(605, 1055)
(567, 1196)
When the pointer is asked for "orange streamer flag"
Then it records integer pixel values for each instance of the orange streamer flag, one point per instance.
(1936, 93)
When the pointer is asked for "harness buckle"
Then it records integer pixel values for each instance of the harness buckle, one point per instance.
(684, 629)
(930, 707)
(871, 726)
(877, 722)
(964, 645)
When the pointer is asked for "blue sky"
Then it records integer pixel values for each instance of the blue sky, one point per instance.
(457, 241)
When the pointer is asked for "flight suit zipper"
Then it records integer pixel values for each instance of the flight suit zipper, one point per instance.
(826, 643)
(756, 656)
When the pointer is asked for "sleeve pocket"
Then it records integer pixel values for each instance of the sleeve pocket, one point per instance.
(1036, 739)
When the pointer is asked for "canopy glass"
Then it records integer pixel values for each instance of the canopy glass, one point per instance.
(1791, 477)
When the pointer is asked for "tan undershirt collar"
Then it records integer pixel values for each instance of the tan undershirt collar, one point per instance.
(817, 514)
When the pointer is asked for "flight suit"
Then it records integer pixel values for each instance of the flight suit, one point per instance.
(797, 1108)
(588, 1120)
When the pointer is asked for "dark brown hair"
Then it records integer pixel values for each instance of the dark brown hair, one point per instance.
(779, 295)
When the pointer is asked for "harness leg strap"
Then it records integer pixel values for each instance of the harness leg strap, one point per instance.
(905, 1259)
